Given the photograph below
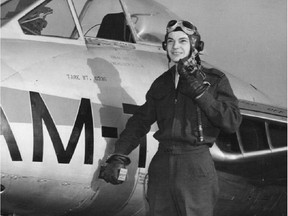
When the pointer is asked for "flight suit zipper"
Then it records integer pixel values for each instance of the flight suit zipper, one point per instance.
(198, 114)
(199, 124)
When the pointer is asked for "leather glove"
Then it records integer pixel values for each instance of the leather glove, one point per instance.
(191, 82)
(114, 163)
(187, 66)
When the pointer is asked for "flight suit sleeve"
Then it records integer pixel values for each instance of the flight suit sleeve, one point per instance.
(220, 105)
(137, 126)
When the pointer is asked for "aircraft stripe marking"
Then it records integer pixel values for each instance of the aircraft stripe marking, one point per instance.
(109, 132)
(9, 137)
(131, 109)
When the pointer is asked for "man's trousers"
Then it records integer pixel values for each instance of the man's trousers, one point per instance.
(182, 183)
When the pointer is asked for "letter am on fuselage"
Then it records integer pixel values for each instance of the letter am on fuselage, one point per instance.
(70, 81)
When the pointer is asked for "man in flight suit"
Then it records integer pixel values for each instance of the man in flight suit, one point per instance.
(190, 104)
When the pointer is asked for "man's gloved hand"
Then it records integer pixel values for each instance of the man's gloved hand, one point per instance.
(187, 66)
(191, 82)
(114, 163)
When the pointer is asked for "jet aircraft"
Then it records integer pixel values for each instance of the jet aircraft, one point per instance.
(72, 73)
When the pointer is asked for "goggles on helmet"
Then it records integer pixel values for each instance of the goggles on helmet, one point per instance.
(186, 26)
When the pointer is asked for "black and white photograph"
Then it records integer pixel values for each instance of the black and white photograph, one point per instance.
(143, 108)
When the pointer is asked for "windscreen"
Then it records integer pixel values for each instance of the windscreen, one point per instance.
(149, 19)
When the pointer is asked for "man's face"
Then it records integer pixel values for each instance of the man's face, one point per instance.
(178, 45)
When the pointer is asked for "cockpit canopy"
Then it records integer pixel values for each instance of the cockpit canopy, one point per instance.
(134, 21)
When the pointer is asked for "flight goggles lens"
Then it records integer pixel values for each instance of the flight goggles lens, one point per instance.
(186, 26)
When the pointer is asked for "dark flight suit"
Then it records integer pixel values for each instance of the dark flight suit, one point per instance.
(182, 177)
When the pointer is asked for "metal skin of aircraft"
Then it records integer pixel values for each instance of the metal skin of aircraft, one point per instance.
(69, 82)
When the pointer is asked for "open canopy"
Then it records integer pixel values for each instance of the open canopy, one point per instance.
(135, 21)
